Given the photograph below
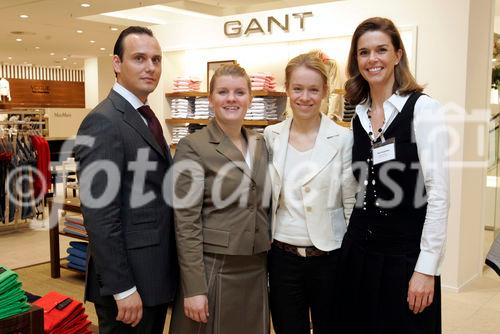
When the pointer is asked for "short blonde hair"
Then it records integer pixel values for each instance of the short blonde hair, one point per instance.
(233, 70)
(310, 60)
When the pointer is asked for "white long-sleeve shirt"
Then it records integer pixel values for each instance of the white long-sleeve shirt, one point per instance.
(431, 138)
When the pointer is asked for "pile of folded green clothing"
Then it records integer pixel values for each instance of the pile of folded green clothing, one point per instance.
(12, 298)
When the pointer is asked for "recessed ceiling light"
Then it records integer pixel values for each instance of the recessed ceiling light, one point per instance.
(85, 5)
(74, 63)
(103, 49)
(52, 53)
(79, 31)
(10, 58)
(23, 16)
(65, 58)
(92, 41)
(37, 47)
(113, 28)
(19, 39)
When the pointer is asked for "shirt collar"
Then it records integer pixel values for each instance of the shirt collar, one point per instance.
(395, 100)
(128, 95)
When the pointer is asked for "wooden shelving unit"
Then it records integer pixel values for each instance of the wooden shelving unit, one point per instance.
(248, 122)
(255, 93)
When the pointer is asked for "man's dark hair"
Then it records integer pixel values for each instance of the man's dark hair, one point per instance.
(118, 50)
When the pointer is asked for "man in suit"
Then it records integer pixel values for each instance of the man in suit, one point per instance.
(123, 158)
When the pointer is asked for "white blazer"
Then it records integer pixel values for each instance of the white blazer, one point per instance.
(328, 192)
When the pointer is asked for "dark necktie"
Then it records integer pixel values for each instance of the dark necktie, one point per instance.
(153, 125)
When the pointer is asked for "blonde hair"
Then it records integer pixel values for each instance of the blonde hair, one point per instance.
(357, 89)
(310, 60)
(233, 70)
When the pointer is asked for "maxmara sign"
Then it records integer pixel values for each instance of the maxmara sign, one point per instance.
(237, 28)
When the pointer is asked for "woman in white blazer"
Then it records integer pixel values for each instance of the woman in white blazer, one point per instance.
(313, 192)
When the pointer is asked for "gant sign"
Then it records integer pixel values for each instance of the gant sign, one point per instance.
(236, 28)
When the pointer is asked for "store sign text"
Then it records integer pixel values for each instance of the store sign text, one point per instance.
(235, 28)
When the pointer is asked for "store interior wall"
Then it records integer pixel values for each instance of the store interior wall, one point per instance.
(447, 30)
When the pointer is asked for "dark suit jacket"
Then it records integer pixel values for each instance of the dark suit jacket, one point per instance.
(214, 221)
(131, 243)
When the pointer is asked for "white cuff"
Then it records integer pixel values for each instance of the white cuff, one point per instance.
(428, 263)
(125, 294)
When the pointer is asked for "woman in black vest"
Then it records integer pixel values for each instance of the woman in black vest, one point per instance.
(393, 249)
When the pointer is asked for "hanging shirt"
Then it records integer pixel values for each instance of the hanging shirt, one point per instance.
(5, 88)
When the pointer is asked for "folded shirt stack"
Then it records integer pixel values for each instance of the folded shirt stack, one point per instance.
(77, 255)
(63, 315)
(182, 108)
(187, 84)
(73, 224)
(12, 298)
(201, 108)
(263, 81)
(179, 132)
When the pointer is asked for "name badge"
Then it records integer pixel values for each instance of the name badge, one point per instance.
(384, 151)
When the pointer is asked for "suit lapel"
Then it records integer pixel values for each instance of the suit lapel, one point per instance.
(132, 118)
(227, 148)
(255, 147)
(280, 146)
(324, 149)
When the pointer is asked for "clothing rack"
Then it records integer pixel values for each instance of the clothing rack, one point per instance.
(14, 220)
(24, 113)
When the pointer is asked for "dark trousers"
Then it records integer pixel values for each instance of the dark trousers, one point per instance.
(153, 320)
(300, 286)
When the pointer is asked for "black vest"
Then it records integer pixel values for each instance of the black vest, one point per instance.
(400, 180)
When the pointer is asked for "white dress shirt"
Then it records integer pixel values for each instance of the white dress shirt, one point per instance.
(432, 146)
(130, 97)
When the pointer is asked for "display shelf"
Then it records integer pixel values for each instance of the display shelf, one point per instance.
(55, 204)
(255, 93)
(248, 122)
(64, 264)
(69, 235)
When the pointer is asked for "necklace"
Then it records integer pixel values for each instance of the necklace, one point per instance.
(374, 136)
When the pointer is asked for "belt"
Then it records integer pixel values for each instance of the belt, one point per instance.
(299, 251)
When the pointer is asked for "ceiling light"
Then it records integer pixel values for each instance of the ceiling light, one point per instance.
(23, 16)
(19, 39)
(65, 58)
(52, 53)
(79, 31)
(113, 28)
(103, 49)
(10, 58)
(37, 47)
(92, 41)
(85, 5)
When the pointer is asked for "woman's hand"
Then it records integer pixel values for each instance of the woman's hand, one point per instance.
(420, 292)
(196, 308)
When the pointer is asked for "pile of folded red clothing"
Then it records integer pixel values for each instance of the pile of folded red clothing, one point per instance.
(263, 81)
(187, 84)
(63, 314)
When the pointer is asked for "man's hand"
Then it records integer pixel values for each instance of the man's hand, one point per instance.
(196, 308)
(130, 309)
(420, 292)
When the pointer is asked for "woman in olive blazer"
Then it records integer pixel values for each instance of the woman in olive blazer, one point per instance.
(220, 220)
